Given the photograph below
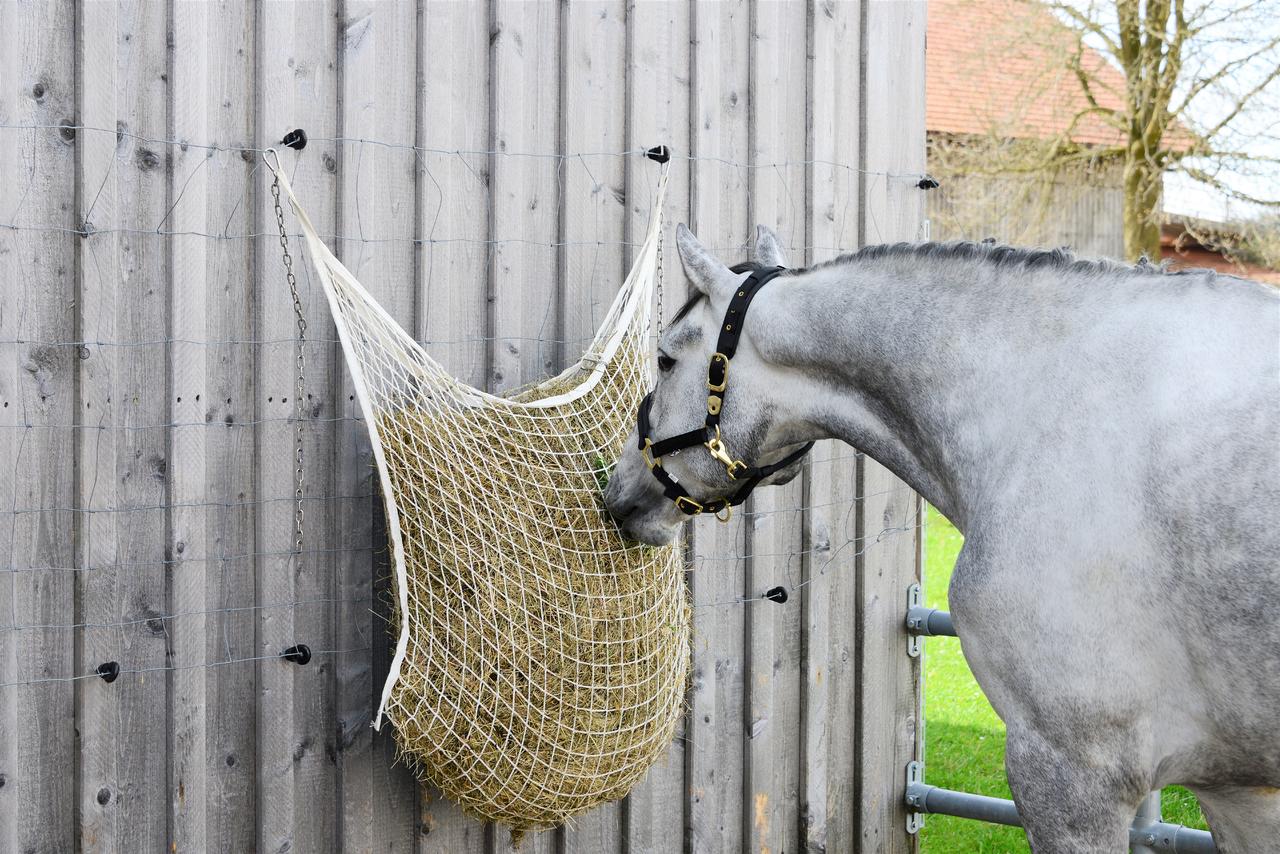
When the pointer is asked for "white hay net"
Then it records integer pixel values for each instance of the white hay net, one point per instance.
(541, 661)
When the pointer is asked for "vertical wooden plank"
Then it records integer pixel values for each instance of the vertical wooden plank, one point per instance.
(893, 44)
(37, 408)
(592, 211)
(211, 776)
(526, 193)
(454, 111)
(525, 91)
(888, 687)
(721, 34)
(124, 386)
(775, 519)
(297, 87)
(827, 752)
(379, 42)
(888, 681)
(658, 57)
(593, 179)
(454, 259)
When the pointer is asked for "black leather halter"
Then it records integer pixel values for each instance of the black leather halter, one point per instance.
(709, 434)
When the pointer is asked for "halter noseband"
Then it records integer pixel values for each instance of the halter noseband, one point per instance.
(709, 434)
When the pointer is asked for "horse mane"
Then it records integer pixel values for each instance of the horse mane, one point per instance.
(1004, 256)
(997, 255)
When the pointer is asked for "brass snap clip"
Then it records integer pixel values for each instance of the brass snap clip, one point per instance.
(721, 453)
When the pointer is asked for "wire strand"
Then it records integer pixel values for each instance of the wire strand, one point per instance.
(236, 219)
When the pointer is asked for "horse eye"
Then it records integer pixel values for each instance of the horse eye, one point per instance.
(665, 362)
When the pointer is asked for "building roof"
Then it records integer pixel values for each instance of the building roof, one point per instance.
(1001, 65)
(1183, 251)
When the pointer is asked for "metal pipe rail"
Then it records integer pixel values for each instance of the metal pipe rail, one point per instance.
(924, 622)
(1147, 834)
(929, 621)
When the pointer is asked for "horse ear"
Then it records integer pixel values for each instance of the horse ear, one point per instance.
(768, 250)
(704, 270)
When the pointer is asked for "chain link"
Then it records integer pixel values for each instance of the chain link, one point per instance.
(661, 229)
(300, 411)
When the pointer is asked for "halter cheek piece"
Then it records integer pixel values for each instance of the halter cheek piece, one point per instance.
(709, 434)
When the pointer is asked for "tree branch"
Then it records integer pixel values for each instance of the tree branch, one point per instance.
(1200, 27)
(1087, 24)
(1241, 103)
(1227, 190)
(1202, 83)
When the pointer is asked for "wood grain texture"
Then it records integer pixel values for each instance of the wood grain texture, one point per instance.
(297, 724)
(454, 186)
(657, 62)
(37, 409)
(1087, 212)
(717, 725)
(378, 196)
(775, 522)
(464, 162)
(888, 682)
(526, 306)
(124, 464)
(593, 214)
(829, 737)
(212, 720)
(454, 261)
(527, 339)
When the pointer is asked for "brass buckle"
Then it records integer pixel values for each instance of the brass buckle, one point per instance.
(721, 454)
(647, 453)
(724, 382)
(697, 508)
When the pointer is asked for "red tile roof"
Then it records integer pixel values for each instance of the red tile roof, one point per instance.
(1001, 65)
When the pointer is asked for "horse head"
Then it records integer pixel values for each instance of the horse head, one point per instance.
(709, 432)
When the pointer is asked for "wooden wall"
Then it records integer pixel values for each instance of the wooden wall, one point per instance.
(466, 161)
(1083, 212)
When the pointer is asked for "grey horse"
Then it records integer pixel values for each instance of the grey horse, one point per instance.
(1106, 437)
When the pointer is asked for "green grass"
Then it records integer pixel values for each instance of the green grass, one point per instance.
(964, 739)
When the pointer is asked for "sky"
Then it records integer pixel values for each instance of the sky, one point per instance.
(1252, 25)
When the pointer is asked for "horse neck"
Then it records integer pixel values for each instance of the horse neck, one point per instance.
(898, 364)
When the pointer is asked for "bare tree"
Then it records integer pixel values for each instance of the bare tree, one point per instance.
(1198, 91)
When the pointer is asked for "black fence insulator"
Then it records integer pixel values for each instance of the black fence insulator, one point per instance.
(109, 671)
(659, 153)
(300, 654)
(928, 182)
(776, 594)
(295, 139)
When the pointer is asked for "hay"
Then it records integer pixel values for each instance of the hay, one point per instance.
(548, 659)
(541, 661)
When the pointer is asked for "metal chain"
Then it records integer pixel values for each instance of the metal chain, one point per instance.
(659, 288)
(300, 386)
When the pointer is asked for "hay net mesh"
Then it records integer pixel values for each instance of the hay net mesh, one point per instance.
(541, 662)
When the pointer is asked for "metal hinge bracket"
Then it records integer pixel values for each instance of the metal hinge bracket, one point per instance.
(915, 777)
(915, 601)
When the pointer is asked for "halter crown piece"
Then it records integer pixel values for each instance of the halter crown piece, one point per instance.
(709, 434)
